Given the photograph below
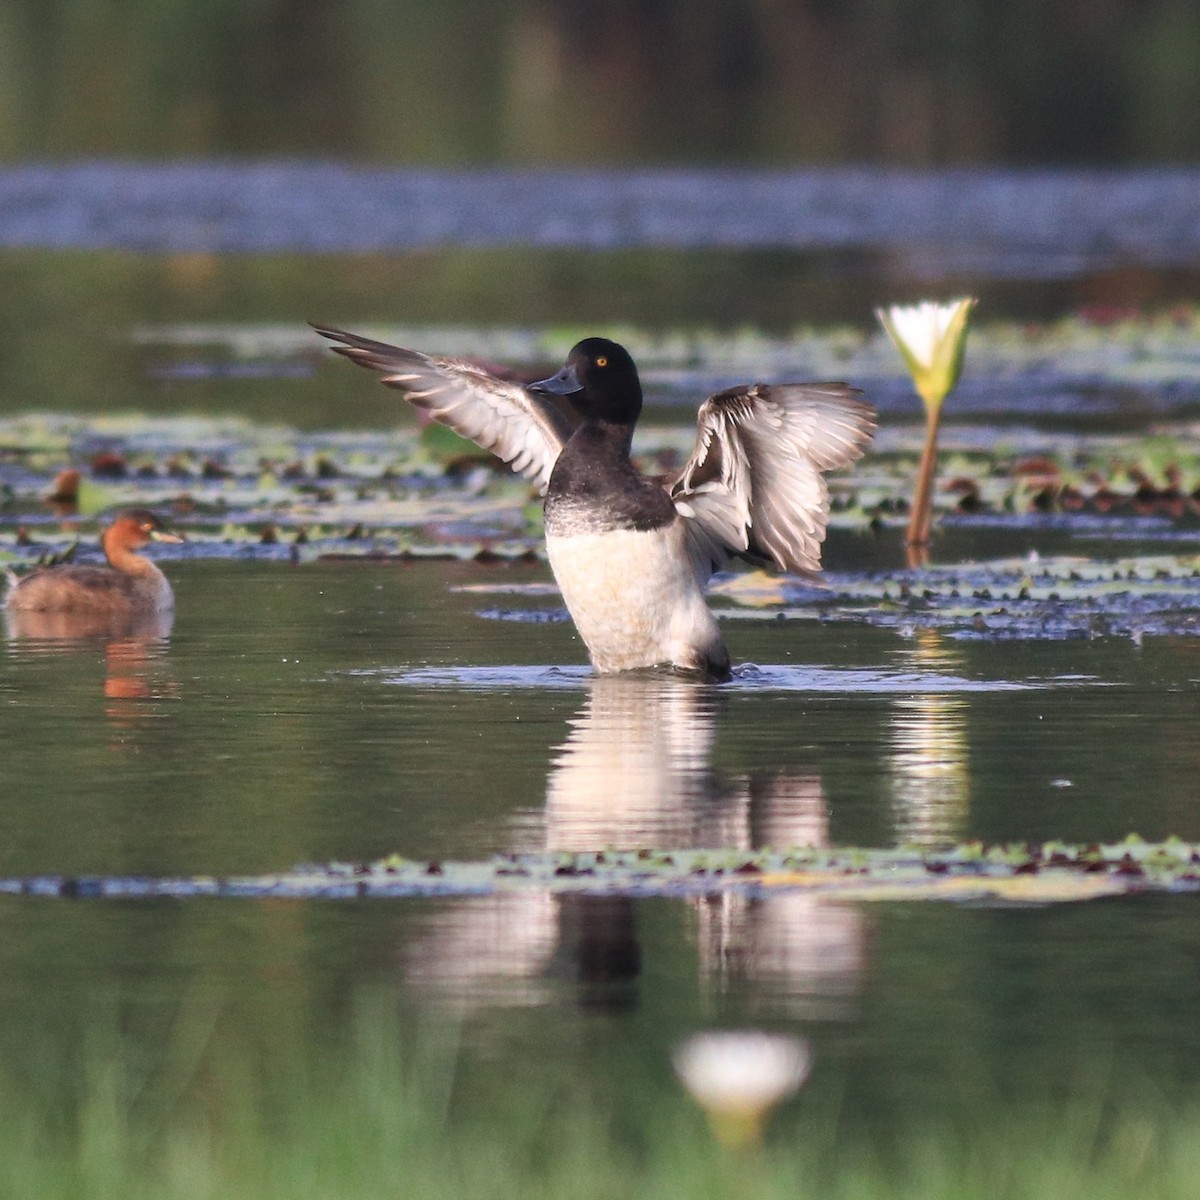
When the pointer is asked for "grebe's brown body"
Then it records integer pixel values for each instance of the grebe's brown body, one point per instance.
(129, 586)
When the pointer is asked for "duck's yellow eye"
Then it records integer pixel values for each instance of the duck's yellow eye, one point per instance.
(602, 361)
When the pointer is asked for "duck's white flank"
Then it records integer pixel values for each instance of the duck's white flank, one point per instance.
(635, 598)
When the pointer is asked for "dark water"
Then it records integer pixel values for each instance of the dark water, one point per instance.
(176, 289)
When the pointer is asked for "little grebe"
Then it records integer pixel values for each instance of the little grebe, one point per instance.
(130, 584)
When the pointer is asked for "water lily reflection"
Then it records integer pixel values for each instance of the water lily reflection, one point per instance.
(930, 776)
(635, 771)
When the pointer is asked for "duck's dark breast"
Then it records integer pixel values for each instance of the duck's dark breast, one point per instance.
(593, 490)
(606, 511)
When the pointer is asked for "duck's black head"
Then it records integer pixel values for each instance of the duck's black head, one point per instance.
(601, 381)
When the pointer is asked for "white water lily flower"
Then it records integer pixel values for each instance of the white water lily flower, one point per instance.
(931, 338)
(738, 1077)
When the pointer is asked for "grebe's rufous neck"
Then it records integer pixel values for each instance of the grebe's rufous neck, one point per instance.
(130, 583)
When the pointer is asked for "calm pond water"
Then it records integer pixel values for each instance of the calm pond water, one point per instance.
(335, 711)
(320, 710)
(349, 711)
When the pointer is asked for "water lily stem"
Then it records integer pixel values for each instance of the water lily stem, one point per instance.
(921, 521)
(737, 1129)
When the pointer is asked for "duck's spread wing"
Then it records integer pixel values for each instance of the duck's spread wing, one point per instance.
(754, 484)
(525, 430)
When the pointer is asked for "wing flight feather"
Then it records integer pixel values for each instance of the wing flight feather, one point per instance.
(524, 430)
(754, 484)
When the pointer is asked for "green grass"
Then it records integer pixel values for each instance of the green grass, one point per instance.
(374, 1119)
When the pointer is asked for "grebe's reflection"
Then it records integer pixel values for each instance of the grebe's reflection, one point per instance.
(60, 629)
(635, 771)
(135, 654)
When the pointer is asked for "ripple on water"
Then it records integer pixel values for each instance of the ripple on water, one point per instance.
(747, 677)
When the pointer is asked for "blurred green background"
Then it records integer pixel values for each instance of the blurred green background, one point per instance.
(912, 82)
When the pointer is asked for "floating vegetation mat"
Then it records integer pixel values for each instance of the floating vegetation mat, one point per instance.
(1024, 873)
(1030, 597)
(1073, 436)
(1023, 361)
(243, 490)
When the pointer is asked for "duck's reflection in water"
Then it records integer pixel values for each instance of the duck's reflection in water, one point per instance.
(635, 768)
(635, 771)
(929, 778)
(136, 676)
(803, 954)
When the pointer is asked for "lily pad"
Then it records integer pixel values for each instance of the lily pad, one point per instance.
(1032, 597)
(1026, 873)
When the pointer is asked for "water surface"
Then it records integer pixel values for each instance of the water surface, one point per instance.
(325, 711)
(349, 695)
